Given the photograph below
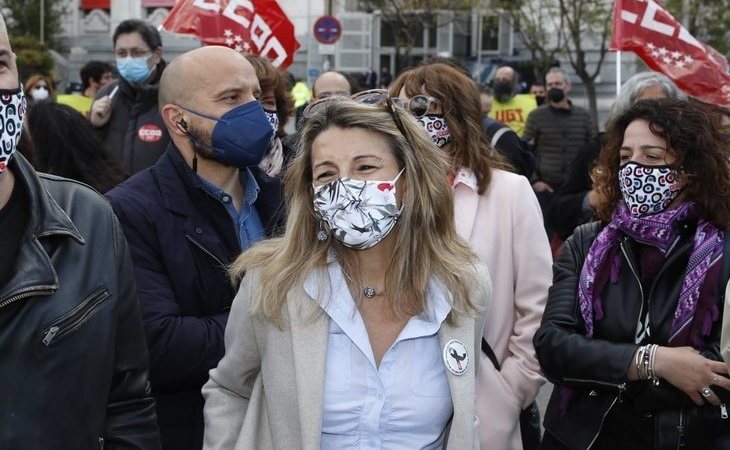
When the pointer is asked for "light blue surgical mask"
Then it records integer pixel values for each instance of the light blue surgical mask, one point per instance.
(134, 70)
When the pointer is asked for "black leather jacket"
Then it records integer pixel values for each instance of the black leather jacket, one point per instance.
(595, 371)
(73, 360)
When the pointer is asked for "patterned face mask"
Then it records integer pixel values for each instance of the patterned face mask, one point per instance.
(273, 119)
(12, 109)
(359, 213)
(435, 125)
(648, 189)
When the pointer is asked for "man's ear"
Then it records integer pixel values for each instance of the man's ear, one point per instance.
(174, 120)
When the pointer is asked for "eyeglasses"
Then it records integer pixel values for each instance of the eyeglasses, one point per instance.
(131, 53)
(372, 97)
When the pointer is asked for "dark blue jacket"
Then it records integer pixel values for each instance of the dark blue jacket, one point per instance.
(182, 239)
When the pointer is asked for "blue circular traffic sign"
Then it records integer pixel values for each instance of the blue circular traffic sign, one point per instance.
(327, 30)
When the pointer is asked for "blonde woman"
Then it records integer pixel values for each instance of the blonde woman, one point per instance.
(361, 325)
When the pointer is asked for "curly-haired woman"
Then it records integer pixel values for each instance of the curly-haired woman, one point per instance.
(631, 331)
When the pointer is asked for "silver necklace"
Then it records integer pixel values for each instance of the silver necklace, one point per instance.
(369, 292)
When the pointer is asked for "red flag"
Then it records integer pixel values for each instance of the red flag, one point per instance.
(256, 26)
(647, 29)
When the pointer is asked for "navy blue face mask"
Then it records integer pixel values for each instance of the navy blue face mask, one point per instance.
(240, 136)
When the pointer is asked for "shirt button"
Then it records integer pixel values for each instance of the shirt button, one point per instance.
(379, 395)
(372, 442)
(226, 198)
(199, 230)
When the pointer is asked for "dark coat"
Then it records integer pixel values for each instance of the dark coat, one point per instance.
(182, 240)
(557, 134)
(73, 360)
(566, 209)
(596, 370)
(135, 134)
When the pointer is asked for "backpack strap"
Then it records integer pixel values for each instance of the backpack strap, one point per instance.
(498, 135)
(487, 349)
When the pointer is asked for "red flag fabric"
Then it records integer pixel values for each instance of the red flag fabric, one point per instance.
(647, 29)
(256, 26)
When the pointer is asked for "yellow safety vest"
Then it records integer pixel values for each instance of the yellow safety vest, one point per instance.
(514, 113)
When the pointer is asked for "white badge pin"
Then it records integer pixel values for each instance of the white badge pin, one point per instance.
(456, 357)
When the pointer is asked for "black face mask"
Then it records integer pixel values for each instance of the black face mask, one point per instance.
(540, 100)
(502, 91)
(555, 94)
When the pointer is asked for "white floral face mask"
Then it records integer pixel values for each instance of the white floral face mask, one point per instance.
(359, 213)
(648, 189)
(435, 125)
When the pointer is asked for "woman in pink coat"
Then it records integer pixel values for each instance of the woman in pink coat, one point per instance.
(497, 213)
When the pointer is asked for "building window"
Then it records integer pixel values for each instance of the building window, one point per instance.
(490, 33)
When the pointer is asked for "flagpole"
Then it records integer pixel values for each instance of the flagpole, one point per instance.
(618, 72)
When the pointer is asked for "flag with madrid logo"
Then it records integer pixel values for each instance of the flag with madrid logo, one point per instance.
(247, 26)
(647, 29)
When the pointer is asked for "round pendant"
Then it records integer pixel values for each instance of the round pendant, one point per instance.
(368, 292)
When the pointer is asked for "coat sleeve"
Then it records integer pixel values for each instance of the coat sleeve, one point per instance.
(229, 387)
(182, 348)
(565, 354)
(532, 261)
(131, 422)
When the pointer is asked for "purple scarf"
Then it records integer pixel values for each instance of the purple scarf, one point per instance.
(658, 230)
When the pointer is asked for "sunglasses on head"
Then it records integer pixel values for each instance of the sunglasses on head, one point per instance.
(372, 97)
(419, 105)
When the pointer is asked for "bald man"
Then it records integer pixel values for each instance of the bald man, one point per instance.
(73, 360)
(331, 84)
(190, 215)
(508, 106)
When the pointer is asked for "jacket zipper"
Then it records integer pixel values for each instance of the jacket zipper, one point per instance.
(38, 290)
(621, 386)
(638, 281)
(680, 429)
(723, 411)
(603, 419)
(77, 318)
(205, 250)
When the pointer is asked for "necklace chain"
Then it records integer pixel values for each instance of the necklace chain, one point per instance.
(368, 292)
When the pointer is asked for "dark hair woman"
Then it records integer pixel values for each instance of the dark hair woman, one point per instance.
(64, 143)
(631, 331)
(497, 213)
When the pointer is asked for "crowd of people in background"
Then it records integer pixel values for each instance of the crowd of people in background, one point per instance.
(387, 260)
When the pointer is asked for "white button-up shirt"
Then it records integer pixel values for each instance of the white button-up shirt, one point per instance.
(403, 404)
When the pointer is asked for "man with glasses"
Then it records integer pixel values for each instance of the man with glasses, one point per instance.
(125, 112)
(188, 217)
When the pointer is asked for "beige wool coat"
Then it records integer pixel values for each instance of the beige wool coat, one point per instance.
(267, 392)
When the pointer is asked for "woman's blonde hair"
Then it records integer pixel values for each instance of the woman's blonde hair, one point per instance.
(426, 242)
